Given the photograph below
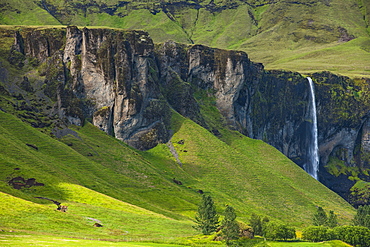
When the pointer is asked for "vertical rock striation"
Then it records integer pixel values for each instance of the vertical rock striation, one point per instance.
(127, 86)
(107, 76)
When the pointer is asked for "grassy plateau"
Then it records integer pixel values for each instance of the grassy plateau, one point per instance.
(304, 36)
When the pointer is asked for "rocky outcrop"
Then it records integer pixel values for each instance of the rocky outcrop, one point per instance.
(104, 75)
(274, 106)
(126, 86)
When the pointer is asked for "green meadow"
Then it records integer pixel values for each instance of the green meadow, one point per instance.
(32, 240)
(42, 240)
(132, 194)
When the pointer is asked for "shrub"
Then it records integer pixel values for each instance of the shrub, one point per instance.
(230, 228)
(257, 223)
(276, 231)
(207, 218)
(362, 218)
(320, 218)
(358, 236)
(332, 220)
(317, 233)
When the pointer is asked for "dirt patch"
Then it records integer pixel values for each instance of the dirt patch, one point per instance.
(20, 183)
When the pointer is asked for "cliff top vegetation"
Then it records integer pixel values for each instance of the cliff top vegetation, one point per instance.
(298, 36)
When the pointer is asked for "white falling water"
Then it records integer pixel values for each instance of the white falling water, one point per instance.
(312, 166)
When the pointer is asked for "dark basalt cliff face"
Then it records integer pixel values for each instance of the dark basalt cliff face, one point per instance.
(106, 76)
(126, 86)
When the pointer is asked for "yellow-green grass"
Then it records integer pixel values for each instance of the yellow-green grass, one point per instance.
(252, 176)
(143, 184)
(334, 243)
(66, 174)
(25, 13)
(8, 239)
(12, 239)
(102, 178)
(350, 59)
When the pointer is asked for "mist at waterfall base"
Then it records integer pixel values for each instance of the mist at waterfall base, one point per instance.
(312, 164)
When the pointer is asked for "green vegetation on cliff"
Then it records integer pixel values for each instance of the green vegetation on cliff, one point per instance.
(300, 36)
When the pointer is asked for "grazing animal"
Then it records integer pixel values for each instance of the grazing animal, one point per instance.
(98, 225)
(62, 208)
(200, 191)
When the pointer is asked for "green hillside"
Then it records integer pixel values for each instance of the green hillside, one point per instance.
(303, 36)
(101, 179)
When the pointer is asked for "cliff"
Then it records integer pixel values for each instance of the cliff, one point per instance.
(289, 35)
(127, 86)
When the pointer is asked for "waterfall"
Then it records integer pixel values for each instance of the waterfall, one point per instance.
(312, 165)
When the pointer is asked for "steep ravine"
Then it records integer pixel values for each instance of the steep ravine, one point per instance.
(125, 85)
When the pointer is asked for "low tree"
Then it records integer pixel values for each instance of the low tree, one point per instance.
(358, 236)
(207, 219)
(332, 220)
(230, 228)
(317, 233)
(276, 231)
(362, 217)
(320, 218)
(257, 223)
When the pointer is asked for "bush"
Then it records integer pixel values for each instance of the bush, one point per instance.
(320, 218)
(206, 217)
(230, 228)
(332, 220)
(317, 234)
(362, 218)
(358, 236)
(257, 223)
(276, 231)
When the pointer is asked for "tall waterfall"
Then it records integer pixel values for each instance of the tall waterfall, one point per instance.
(312, 165)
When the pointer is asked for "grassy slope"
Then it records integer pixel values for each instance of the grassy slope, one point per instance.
(25, 13)
(41, 240)
(267, 184)
(255, 183)
(305, 38)
(66, 174)
(30, 240)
